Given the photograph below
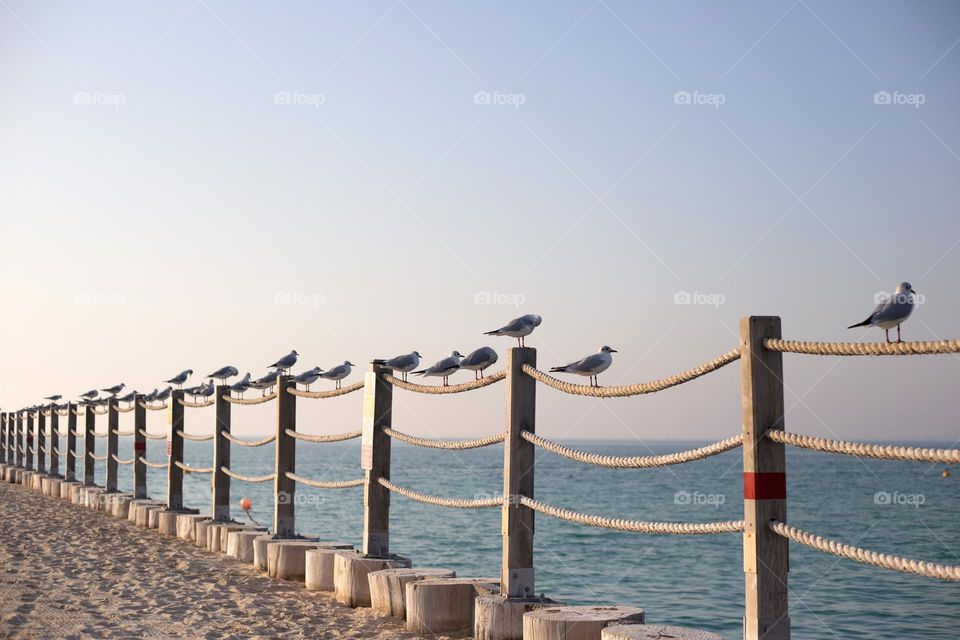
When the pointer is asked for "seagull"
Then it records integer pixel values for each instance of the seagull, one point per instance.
(242, 385)
(287, 361)
(479, 360)
(224, 372)
(129, 397)
(53, 398)
(308, 377)
(163, 395)
(590, 366)
(442, 368)
(892, 312)
(90, 395)
(115, 389)
(150, 397)
(404, 364)
(339, 372)
(180, 378)
(193, 391)
(266, 382)
(518, 328)
(208, 390)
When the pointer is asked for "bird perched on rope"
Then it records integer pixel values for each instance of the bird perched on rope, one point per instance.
(287, 361)
(591, 366)
(223, 373)
(195, 390)
(338, 372)
(518, 328)
(241, 385)
(90, 395)
(115, 389)
(180, 378)
(891, 312)
(479, 360)
(129, 397)
(163, 395)
(266, 382)
(53, 398)
(150, 397)
(404, 364)
(308, 377)
(442, 368)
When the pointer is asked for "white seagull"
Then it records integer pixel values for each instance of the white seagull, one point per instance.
(308, 377)
(223, 373)
(266, 382)
(53, 398)
(892, 312)
(442, 368)
(129, 397)
(404, 364)
(339, 372)
(241, 385)
(518, 328)
(479, 360)
(286, 361)
(163, 395)
(180, 378)
(115, 389)
(590, 366)
(90, 395)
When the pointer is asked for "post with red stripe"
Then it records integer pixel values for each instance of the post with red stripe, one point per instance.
(139, 448)
(765, 554)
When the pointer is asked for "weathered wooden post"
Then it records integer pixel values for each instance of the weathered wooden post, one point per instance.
(765, 554)
(89, 445)
(175, 452)
(41, 441)
(30, 441)
(113, 424)
(375, 460)
(284, 488)
(139, 448)
(71, 462)
(54, 442)
(3, 437)
(220, 481)
(20, 442)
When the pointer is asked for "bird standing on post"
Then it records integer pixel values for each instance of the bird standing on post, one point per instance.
(518, 328)
(591, 366)
(180, 378)
(115, 389)
(404, 364)
(891, 312)
(223, 373)
(287, 361)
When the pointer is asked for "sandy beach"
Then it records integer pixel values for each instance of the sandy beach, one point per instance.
(69, 572)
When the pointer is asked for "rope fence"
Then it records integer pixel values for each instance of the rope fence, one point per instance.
(127, 410)
(864, 450)
(153, 436)
(332, 393)
(194, 438)
(118, 432)
(188, 469)
(197, 405)
(863, 348)
(453, 388)
(102, 458)
(247, 443)
(321, 484)
(458, 445)
(253, 479)
(262, 400)
(119, 461)
(153, 407)
(153, 465)
(335, 437)
(453, 503)
(636, 462)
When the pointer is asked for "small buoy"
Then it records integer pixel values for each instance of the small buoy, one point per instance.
(946, 473)
(246, 504)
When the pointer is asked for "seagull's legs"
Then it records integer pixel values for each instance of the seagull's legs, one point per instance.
(445, 383)
(898, 334)
(886, 332)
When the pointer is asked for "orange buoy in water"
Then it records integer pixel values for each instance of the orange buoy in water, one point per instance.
(946, 473)
(246, 504)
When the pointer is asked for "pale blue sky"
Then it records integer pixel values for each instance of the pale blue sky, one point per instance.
(153, 228)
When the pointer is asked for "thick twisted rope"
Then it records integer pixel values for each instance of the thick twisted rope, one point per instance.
(675, 528)
(454, 503)
(187, 469)
(196, 405)
(153, 465)
(57, 451)
(127, 410)
(43, 450)
(188, 436)
(64, 413)
(119, 461)
(154, 407)
(863, 450)
(74, 433)
(237, 476)
(431, 443)
(454, 388)
(886, 561)
(123, 433)
(247, 443)
(634, 389)
(334, 437)
(320, 484)
(75, 412)
(101, 412)
(101, 435)
(96, 457)
(153, 436)
(636, 462)
(73, 454)
(262, 400)
(863, 348)
(332, 393)
(31, 449)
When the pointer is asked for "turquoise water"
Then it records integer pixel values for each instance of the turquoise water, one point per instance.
(688, 580)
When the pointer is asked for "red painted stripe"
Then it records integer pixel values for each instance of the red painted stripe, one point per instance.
(139, 446)
(765, 485)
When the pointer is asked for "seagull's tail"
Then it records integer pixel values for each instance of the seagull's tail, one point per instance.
(378, 361)
(495, 332)
(860, 324)
(558, 369)
(419, 373)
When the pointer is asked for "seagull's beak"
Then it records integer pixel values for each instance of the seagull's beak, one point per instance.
(614, 351)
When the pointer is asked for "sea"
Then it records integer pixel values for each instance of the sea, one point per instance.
(901, 508)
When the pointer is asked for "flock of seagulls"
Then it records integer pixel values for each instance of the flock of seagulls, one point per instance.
(889, 314)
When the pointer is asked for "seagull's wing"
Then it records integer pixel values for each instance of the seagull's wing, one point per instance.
(590, 363)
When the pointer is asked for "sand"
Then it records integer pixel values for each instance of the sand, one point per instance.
(69, 572)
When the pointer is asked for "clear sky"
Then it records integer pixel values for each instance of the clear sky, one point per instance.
(193, 184)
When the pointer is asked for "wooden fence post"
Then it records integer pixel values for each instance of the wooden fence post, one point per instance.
(71, 462)
(765, 554)
(284, 488)
(375, 460)
(54, 442)
(113, 423)
(30, 440)
(219, 481)
(4, 450)
(139, 448)
(20, 441)
(516, 570)
(41, 441)
(89, 445)
(175, 451)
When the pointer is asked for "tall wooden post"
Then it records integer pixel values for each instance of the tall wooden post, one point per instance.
(375, 460)
(30, 440)
(175, 452)
(41, 441)
(89, 445)
(113, 423)
(21, 448)
(71, 462)
(54, 442)
(765, 554)
(220, 482)
(139, 448)
(3, 437)
(516, 570)
(284, 488)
